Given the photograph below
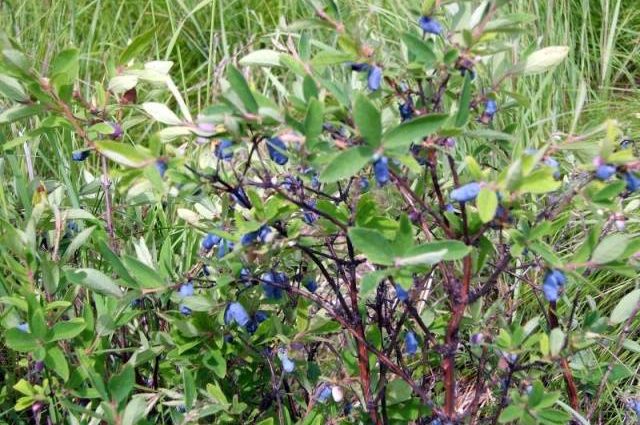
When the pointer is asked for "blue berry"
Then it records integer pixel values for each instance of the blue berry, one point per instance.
(223, 150)
(381, 170)
(364, 183)
(261, 316)
(374, 79)
(161, 166)
(249, 238)
(406, 110)
(80, 155)
(605, 171)
(288, 365)
(311, 284)
(449, 208)
(224, 248)
(245, 274)
(418, 153)
(430, 25)
(490, 107)
(238, 195)
(466, 193)
(553, 283)
(323, 393)
(186, 290)
(315, 181)
(633, 181)
(551, 162)
(634, 404)
(235, 313)
(309, 216)
(24, 327)
(401, 294)
(626, 143)
(270, 278)
(277, 151)
(411, 343)
(184, 310)
(209, 241)
(359, 66)
(265, 234)
(290, 182)
(252, 326)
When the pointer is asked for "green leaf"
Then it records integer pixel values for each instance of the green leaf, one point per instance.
(372, 244)
(190, 390)
(331, 57)
(216, 362)
(465, 98)
(541, 181)
(67, 329)
(413, 130)
(625, 307)
(314, 119)
(610, 248)
(18, 340)
(263, 57)
(241, 88)
(487, 204)
(367, 119)
(94, 280)
(145, 276)
(370, 281)
(556, 341)
(64, 67)
(346, 164)
(511, 413)
(455, 250)
(137, 46)
(419, 49)
(134, 412)
(121, 385)
(12, 89)
(544, 59)
(125, 154)
(161, 113)
(56, 361)
(424, 258)
(18, 112)
(398, 391)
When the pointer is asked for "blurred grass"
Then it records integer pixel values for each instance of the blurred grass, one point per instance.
(199, 36)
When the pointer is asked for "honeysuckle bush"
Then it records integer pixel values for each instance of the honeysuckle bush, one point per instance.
(351, 232)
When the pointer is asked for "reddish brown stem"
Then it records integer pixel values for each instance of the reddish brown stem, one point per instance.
(572, 390)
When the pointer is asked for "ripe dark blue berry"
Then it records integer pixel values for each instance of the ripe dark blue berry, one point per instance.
(245, 274)
(236, 313)
(466, 193)
(411, 343)
(553, 283)
(311, 284)
(381, 170)
(401, 294)
(209, 241)
(81, 155)
(323, 393)
(277, 151)
(269, 279)
(249, 238)
(429, 25)
(308, 215)
(261, 316)
(224, 248)
(238, 195)
(490, 109)
(184, 310)
(186, 290)
(605, 171)
(24, 327)
(406, 110)
(551, 162)
(223, 150)
(359, 66)
(364, 183)
(374, 79)
(161, 166)
(633, 181)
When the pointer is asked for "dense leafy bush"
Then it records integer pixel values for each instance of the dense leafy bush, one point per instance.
(330, 242)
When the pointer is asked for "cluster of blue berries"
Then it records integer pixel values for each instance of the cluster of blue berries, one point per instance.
(263, 235)
(235, 313)
(270, 278)
(553, 284)
(381, 170)
(211, 240)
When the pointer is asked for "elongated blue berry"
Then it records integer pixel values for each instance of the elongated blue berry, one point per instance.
(81, 155)
(551, 162)
(406, 110)
(238, 195)
(24, 327)
(223, 150)
(269, 279)
(466, 193)
(224, 248)
(311, 284)
(277, 151)
(308, 215)
(323, 393)
(186, 290)
(490, 109)
(184, 310)
(633, 181)
(235, 313)
(261, 316)
(359, 66)
(429, 25)
(374, 79)
(209, 241)
(364, 183)
(249, 238)
(411, 343)
(381, 170)
(553, 283)
(161, 166)
(401, 294)
(266, 234)
(605, 171)
(245, 274)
